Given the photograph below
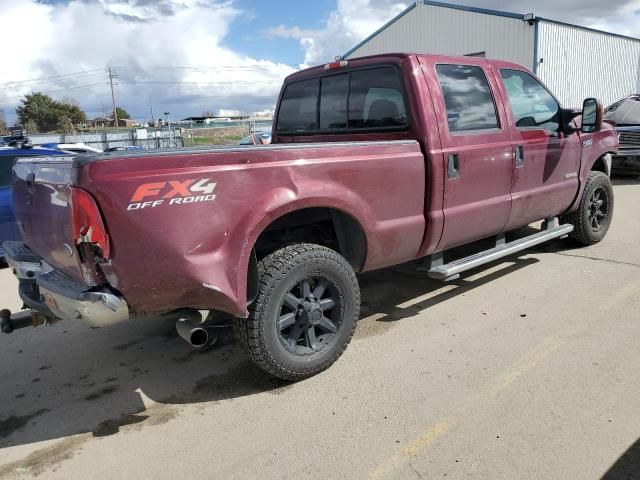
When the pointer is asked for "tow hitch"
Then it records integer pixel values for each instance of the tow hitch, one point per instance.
(10, 322)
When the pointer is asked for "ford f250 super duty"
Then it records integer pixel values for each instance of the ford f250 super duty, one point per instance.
(374, 162)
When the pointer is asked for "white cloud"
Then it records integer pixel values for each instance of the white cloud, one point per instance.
(147, 40)
(348, 24)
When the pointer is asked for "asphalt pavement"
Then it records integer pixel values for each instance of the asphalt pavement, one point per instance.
(526, 369)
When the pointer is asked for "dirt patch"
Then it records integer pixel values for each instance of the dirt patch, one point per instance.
(126, 346)
(11, 424)
(101, 393)
(44, 459)
(111, 427)
(242, 380)
(372, 326)
(160, 414)
(153, 416)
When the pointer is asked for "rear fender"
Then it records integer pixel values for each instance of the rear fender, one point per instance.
(279, 202)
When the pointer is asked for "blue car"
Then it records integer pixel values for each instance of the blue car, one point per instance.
(8, 155)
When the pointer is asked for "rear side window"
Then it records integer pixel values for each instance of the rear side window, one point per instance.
(467, 97)
(376, 100)
(299, 107)
(370, 99)
(6, 165)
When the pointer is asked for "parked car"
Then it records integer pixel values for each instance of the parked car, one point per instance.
(374, 162)
(625, 115)
(8, 155)
(257, 139)
(73, 147)
(128, 148)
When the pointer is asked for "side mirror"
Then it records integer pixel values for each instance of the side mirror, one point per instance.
(591, 116)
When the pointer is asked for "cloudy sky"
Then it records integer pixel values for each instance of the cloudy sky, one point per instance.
(188, 56)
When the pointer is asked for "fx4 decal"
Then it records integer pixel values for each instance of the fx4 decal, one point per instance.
(173, 192)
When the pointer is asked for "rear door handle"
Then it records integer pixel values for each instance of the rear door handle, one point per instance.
(453, 166)
(519, 156)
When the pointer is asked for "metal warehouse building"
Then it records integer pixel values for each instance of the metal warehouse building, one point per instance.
(575, 62)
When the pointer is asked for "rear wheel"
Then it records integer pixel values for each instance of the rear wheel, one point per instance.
(305, 313)
(594, 215)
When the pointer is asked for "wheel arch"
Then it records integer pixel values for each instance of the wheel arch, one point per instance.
(326, 225)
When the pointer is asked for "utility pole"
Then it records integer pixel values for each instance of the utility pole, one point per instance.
(113, 76)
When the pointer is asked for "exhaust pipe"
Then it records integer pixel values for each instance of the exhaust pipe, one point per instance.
(194, 335)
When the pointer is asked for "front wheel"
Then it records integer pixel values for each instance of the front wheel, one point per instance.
(305, 312)
(593, 217)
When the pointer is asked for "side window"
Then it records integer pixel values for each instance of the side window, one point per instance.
(468, 98)
(333, 102)
(532, 105)
(299, 107)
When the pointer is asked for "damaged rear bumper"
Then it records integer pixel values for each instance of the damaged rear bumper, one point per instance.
(53, 293)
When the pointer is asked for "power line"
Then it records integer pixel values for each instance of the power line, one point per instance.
(79, 87)
(180, 82)
(52, 78)
(209, 67)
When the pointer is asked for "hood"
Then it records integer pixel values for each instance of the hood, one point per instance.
(625, 111)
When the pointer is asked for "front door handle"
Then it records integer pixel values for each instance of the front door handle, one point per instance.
(519, 156)
(453, 166)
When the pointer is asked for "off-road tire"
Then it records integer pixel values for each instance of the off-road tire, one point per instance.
(279, 272)
(584, 232)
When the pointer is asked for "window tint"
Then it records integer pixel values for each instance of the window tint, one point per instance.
(333, 102)
(299, 107)
(467, 97)
(532, 105)
(376, 100)
(360, 100)
(6, 165)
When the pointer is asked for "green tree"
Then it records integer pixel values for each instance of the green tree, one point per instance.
(122, 114)
(4, 129)
(47, 114)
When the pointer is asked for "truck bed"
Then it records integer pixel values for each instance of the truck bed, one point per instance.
(178, 218)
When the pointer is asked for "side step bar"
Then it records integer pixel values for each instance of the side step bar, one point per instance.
(452, 271)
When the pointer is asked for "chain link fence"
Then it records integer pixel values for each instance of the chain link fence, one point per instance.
(147, 138)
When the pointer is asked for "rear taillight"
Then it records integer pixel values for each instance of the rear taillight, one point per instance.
(87, 223)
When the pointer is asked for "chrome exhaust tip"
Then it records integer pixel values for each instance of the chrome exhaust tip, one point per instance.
(194, 335)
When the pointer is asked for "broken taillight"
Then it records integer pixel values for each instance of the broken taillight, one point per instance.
(87, 223)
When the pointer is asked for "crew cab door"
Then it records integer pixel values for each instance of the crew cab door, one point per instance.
(546, 162)
(476, 150)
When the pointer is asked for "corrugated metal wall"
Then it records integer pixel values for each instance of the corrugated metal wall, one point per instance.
(431, 29)
(577, 64)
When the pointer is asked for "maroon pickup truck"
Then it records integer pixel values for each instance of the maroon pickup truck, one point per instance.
(374, 162)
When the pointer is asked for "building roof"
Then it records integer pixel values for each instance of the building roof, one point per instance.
(485, 11)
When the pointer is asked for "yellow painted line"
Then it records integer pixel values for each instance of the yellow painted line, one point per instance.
(411, 450)
(622, 294)
(528, 362)
(521, 367)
